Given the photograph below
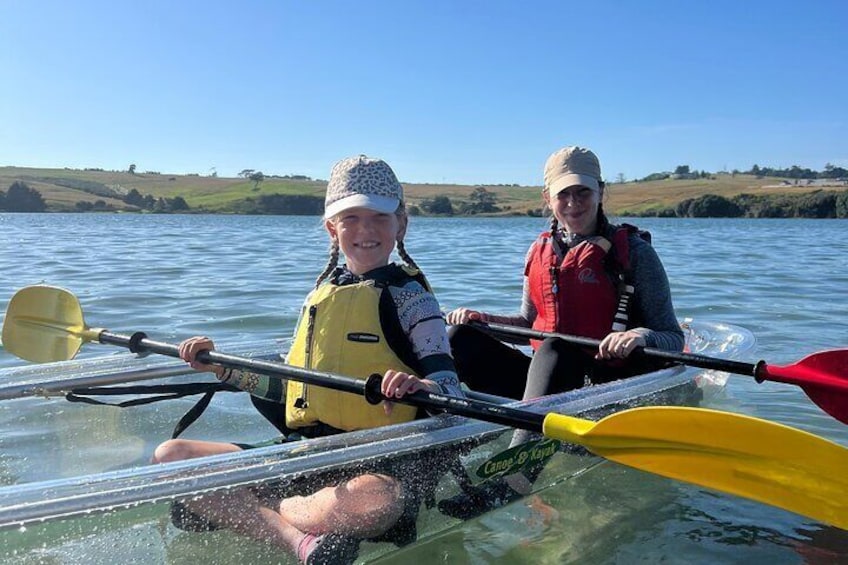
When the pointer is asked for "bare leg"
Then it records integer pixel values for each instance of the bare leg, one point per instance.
(363, 507)
(238, 510)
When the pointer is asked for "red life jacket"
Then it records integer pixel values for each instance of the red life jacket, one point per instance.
(580, 296)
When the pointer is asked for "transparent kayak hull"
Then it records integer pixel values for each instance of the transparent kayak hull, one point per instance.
(72, 518)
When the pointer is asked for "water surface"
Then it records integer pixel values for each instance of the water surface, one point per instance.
(244, 277)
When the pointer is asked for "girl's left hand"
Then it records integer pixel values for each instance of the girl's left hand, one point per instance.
(619, 345)
(397, 385)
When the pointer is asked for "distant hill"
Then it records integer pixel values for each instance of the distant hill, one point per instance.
(82, 190)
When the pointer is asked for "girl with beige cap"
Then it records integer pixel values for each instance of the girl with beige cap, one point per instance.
(584, 276)
(364, 317)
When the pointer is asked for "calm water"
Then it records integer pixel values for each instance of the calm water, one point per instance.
(244, 278)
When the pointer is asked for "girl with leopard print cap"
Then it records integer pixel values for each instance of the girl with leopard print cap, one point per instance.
(366, 316)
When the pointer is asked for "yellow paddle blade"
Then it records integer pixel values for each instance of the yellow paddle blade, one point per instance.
(740, 455)
(44, 323)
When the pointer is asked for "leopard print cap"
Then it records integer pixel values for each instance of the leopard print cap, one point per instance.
(362, 182)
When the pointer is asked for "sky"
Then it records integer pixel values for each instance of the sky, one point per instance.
(446, 91)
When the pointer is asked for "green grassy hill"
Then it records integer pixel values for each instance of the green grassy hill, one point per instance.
(63, 188)
(641, 197)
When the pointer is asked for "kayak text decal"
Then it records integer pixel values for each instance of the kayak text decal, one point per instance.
(516, 458)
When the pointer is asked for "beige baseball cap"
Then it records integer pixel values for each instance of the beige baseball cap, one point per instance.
(572, 166)
(362, 182)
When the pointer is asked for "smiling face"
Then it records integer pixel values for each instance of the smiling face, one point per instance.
(576, 208)
(366, 237)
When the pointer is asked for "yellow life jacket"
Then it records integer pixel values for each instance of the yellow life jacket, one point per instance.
(339, 331)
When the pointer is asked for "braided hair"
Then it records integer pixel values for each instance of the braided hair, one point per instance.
(603, 222)
(401, 248)
(331, 263)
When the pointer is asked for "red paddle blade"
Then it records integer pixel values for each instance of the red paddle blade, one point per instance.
(832, 403)
(823, 376)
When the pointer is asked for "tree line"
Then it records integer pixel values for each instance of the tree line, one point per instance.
(816, 204)
(153, 204)
(794, 172)
(20, 197)
(480, 201)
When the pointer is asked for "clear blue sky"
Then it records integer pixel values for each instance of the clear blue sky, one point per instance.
(445, 91)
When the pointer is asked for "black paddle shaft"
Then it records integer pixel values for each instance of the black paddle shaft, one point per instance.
(370, 388)
(692, 359)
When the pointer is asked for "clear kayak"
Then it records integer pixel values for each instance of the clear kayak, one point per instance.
(78, 488)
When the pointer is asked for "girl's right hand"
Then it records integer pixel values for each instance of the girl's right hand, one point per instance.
(464, 315)
(194, 345)
(397, 384)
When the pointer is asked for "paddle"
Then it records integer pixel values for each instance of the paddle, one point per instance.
(740, 455)
(823, 375)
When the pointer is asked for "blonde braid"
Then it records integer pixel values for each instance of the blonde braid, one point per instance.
(401, 249)
(331, 264)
